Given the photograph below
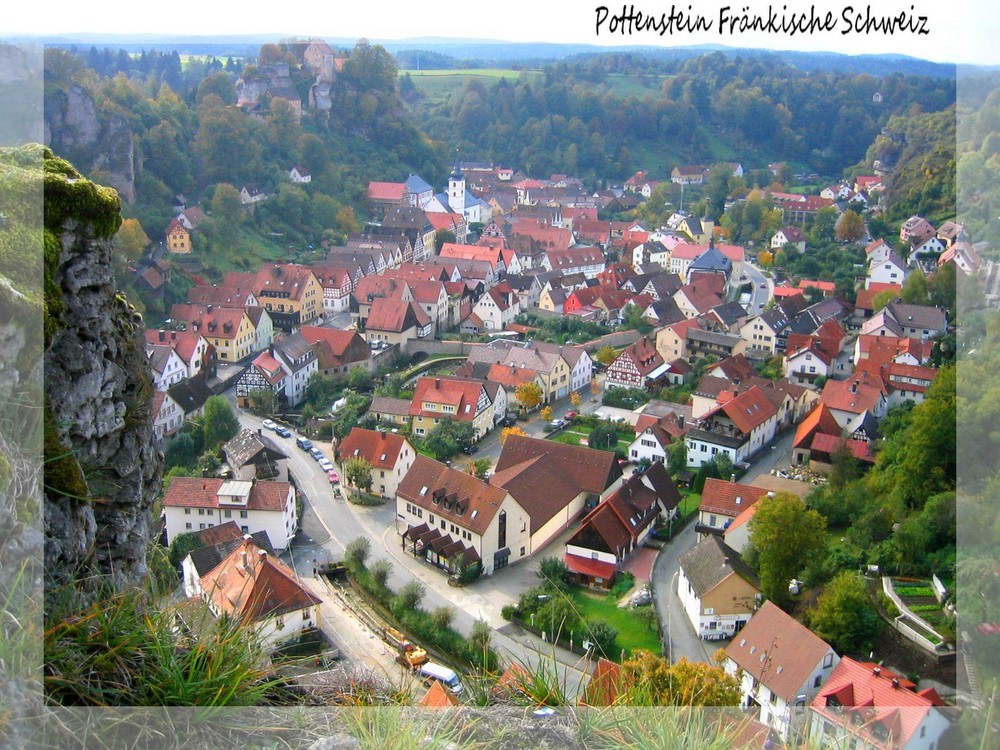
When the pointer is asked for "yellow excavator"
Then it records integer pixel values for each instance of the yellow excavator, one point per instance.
(408, 654)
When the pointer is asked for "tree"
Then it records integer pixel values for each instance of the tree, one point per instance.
(787, 536)
(411, 594)
(506, 432)
(528, 395)
(677, 455)
(545, 413)
(359, 379)
(380, 571)
(604, 437)
(441, 237)
(849, 227)
(448, 438)
(479, 466)
(824, 226)
(481, 635)
(575, 398)
(606, 355)
(553, 572)
(914, 289)
(131, 240)
(357, 551)
(654, 681)
(358, 473)
(220, 422)
(226, 210)
(844, 614)
(604, 637)
(882, 299)
(442, 617)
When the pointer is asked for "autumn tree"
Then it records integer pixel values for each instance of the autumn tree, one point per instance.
(849, 227)
(358, 472)
(131, 240)
(844, 614)
(606, 355)
(506, 432)
(528, 395)
(575, 398)
(545, 413)
(651, 680)
(787, 536)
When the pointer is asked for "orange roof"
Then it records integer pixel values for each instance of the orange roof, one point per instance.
(786, 291)
(604, 685)
(380, 449)
(748, 410)
(185, 343)
(471, 252)
(437, 697)
(251, 585)
(462, 395)
(819, 420)
(289, 278)
(220, 322)
(444, 220)
(728, 498)
(386, 191)
(827, 287)
(854, 396)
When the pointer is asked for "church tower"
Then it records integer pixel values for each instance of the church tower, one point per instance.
(456, 190)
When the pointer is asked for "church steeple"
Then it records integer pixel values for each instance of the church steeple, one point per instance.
(456, 188)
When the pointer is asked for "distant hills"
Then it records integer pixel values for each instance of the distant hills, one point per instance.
(499, 53)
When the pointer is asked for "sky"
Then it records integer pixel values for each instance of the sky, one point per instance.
(963, 31)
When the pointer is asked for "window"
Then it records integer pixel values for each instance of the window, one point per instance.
(817, 681)
(305, 614)
(201, 526)
(244, 514)
(229, 514)
(827, 661)
(201, 511)
(502, 530)
(187, 511)
(522, 551)
(245, 529)
(187, 525)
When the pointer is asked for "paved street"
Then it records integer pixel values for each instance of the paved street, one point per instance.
(758, 295)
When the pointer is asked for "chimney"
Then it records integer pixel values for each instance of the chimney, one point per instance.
(247, 537)
(732, 478)
(243, 559)
(895, 682)
(210, 307)
(261, 554)
(877, 671)
(163, 336)
(437, 382)
(854, 387)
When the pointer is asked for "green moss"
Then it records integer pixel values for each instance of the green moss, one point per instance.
(63, 475)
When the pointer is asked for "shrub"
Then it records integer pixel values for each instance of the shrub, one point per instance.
(357, 551)
(443, 617)
(623, 583)
(508, 612)
(411, 594)
(380, 571)
(604, 637)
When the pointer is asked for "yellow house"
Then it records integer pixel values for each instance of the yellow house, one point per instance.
(228, 329)
(452, 399)
(178, 238)
(718, 590)
(291, 294)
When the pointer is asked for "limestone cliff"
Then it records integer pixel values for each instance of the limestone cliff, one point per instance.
(98, 143)
(102, 466)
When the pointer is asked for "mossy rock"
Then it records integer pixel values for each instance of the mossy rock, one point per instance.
(63, 474)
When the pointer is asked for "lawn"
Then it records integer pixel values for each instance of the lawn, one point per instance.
(633, 630)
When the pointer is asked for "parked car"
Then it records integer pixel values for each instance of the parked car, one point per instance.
(304, 443)
(557, 424)
(470, 449)
(269, 424)
(325, 465)
(509, 421)
(333, 476)
(570, 415)
(282, 431)
(316, 453)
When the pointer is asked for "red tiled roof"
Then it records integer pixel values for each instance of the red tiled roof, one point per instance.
(221, 322)
(183, 342)
(819, 420)
(728, 498)
(589, 567)
(461, 394)
(855, 396)
(830, 444)
(778, 651)
(380, 449)
(260, 588)
(269, 368)
(284, 277)
(392, 315)
(437, 697)
(451, 494)
(444, 220)
(871, 689)
(827, 287)
(338, 341)
(604, 685)
(198, 492)
(386, 191)
(748, 410)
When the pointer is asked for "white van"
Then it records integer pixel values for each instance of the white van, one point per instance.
(447, 677)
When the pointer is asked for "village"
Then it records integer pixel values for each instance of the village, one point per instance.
(485, 452)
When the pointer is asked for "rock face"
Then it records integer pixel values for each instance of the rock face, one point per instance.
(73, 127)
(103, 478)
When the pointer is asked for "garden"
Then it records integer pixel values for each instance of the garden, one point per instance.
(577, 614)
(918, 595)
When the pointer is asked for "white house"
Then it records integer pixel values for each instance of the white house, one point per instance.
(165, 365)
(300, 175)
(258, 590)
(891, 270)
(389, 454)
(781, 665)
(168, 417)
(718, 591)
(863, 704)
(197, 503)
(738, 428)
